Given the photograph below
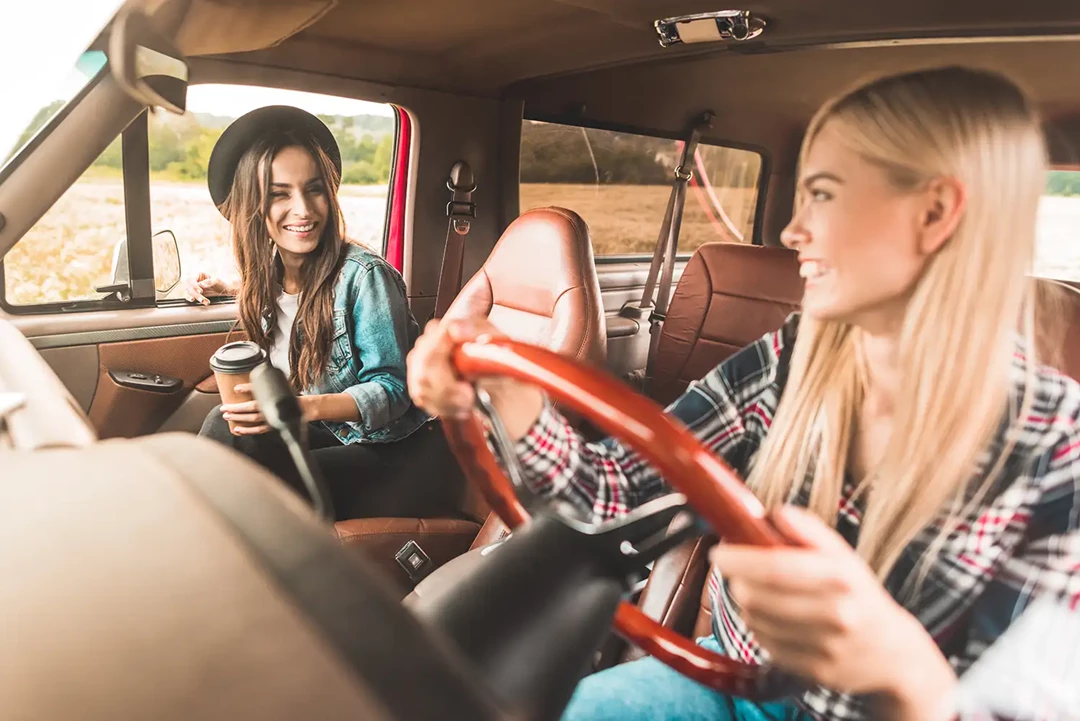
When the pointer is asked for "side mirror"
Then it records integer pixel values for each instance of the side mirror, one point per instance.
(167, 270)
(166, 262)
(145, 64)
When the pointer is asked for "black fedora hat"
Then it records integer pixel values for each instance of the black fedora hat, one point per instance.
(243, 131)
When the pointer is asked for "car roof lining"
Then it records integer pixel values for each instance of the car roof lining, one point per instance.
(559, 56)
(483, 47)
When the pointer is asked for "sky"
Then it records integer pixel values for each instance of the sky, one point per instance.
(32, 67)
(34, 72)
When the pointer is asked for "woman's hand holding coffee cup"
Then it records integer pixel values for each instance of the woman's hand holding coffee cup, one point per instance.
(245, 417)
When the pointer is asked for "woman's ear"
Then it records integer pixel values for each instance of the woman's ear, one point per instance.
(944, 202)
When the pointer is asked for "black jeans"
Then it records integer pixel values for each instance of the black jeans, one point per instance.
(416, 477)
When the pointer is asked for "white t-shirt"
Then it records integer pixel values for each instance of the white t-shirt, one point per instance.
(287, 306)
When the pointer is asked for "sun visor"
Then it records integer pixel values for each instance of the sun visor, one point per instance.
(217, 27)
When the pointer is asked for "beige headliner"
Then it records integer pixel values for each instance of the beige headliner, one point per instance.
(603, 54)
(483, 47)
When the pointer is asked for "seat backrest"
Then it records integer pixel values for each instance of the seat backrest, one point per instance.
(729, 295)
(539, 285)
(1057, 340)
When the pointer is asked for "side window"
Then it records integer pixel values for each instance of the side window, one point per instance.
(620, 183)
(70, 251)
(1057, 254)
(73, 248)
(180, 148)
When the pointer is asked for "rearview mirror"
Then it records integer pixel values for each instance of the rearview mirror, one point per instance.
(147, 65)
(167, 271)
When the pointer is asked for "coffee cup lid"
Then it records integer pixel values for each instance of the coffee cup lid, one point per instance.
(237, 357)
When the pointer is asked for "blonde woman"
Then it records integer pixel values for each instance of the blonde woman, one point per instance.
(923, 456)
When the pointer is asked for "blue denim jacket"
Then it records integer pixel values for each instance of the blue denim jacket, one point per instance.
(373, 331)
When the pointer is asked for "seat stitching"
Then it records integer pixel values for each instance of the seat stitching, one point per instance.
(701, 325)
(581, 265)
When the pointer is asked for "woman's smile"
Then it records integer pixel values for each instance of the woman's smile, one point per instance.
(303, 231)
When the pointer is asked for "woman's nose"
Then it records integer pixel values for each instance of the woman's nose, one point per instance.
(794, 234)
(302, 205)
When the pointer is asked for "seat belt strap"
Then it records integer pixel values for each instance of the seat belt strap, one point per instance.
(460, 212)
(655, 297)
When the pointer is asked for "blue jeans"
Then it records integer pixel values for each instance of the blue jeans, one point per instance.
(647, 689)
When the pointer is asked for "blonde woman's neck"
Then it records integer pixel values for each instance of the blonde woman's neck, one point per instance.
(880, 356)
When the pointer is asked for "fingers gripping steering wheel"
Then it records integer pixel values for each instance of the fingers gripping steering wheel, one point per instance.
(709, 485)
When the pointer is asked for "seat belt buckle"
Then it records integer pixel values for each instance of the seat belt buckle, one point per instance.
(461, 213)
(656, 317)
(635, 312)
(413, 561)
(460, 209)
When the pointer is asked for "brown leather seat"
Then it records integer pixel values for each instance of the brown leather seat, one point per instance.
(729, 295)
(763, 286)
(538, 285)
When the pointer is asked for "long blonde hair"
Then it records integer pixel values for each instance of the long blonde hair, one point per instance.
(958, 333)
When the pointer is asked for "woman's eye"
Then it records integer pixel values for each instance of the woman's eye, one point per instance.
(279, 195)
(819, 196)
(317, 190)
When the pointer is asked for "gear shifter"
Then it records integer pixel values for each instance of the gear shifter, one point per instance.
(282, 412)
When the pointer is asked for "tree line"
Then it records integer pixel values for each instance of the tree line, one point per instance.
(180, 146)
(1063, 182)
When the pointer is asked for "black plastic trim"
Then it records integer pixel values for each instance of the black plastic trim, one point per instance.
(135, 155)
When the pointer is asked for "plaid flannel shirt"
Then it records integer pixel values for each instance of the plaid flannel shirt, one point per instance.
(1023, 540)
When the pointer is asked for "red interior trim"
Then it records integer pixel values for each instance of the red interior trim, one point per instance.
(395, 235)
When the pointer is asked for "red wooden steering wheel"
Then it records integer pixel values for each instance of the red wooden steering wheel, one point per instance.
(710, 486)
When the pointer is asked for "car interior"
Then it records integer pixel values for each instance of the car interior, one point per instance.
(157, 575)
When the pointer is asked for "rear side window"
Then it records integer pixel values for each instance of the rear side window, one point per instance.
(1057, 254)
(620, 183)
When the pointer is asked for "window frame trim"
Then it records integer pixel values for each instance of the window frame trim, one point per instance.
(576, 120)
(397, 190)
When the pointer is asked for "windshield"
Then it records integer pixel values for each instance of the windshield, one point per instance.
(45, 40)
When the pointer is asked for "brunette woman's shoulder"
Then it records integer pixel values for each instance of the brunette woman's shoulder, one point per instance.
(365, 256)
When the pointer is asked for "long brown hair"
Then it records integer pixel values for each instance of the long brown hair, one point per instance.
(261, 271)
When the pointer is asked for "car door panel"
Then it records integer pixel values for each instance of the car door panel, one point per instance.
(77, 368)
(170, 341)
(621, 284)
(120, 411)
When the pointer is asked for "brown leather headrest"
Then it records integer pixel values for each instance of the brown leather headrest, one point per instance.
(539, 285)
(729, 295)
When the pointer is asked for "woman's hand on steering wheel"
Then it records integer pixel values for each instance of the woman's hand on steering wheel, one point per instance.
(820, 612)
(435, 386)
